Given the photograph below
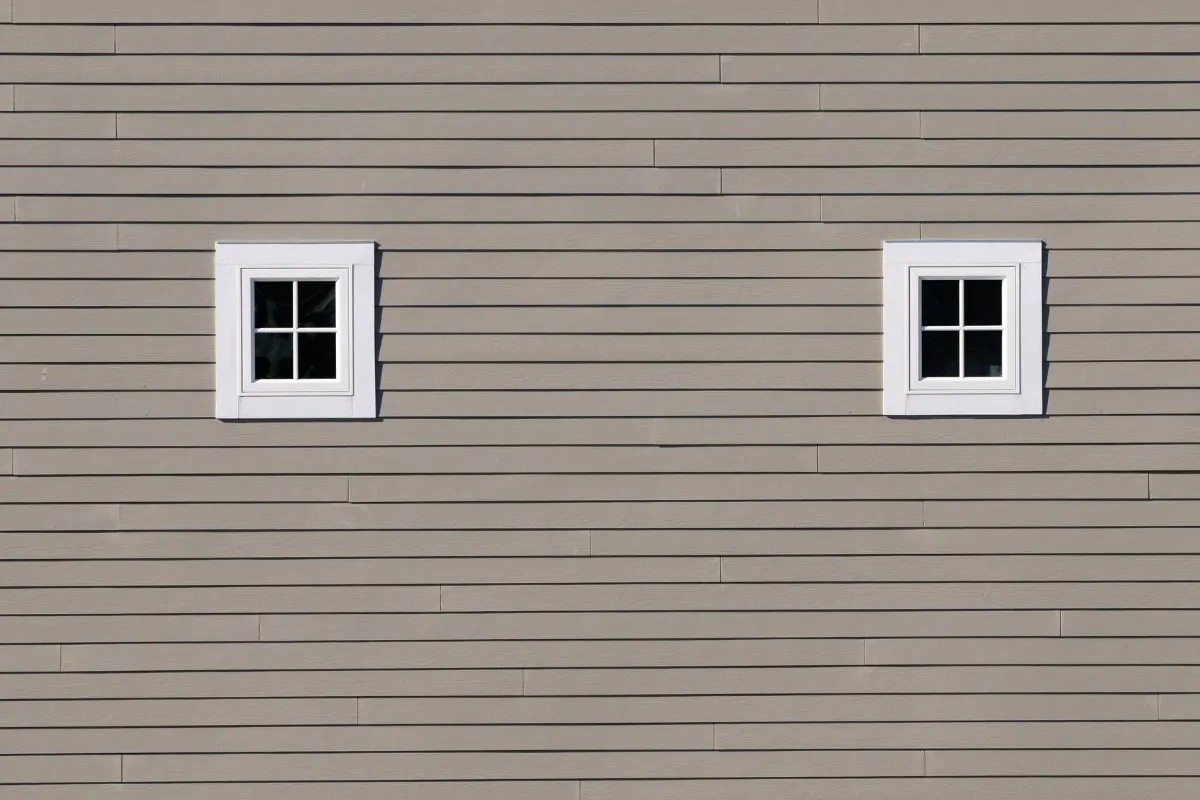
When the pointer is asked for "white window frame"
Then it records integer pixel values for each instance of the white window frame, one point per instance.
(352, 394)
(1019, 265)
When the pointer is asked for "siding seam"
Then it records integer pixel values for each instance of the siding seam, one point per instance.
(116, 33)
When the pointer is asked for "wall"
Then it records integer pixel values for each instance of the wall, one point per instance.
(631, 527)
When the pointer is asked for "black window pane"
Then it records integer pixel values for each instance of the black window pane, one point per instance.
(272, 356)
(272, 304)
(318, 355)
(983, 301)
(939, 302)
(318, 304)
(985, 354)
(939, 354)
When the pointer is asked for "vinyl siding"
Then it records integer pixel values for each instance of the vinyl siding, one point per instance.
(631, 526)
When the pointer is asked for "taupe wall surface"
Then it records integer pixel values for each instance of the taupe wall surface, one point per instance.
(631, 527)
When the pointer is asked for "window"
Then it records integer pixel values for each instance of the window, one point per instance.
(295, 330)
(962, 330)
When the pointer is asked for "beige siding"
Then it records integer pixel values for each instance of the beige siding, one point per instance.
(631, 526)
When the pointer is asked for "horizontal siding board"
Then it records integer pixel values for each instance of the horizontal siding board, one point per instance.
(549, 515)
(381, 11)
(40, 658)
(118, 377)
(58, 126)
(367, 571)
(72, 517)
(210, 433)
(166, 489)
(1115, 264)
(108, 405)
(976, 11)
(1122, 319)
(365, 153)
(61, 39)
(175, 628)
(1061, 762)
(862, 680)
(57, 237)
(1122, 347)
(60, 769)
(1165, 513)
(1130, 623)
(742, 708)
(1061, 125)
(1175, 486)
(937, 68)
(630, 319)
(261, 182)
(640, 403)
(930, 97)
(444, 97)
(82, 70)
(574, 236)
(916, 153)
(765, 431)
(112, 349)
(1134, 374)
(868, 430)
(649, 625)
(630, 376)
(169, 294)
(620, 125)
(632, 488)
(106, 321)
(292, 544)
(651, 264)
(929, 788)
(961, 569)
(499, 766)
(420, 209)
(638, 292)
(280, 656)
(19, 714)
(219, 600)
(820, 597)
(967, 179)
(1008, 458)
(355, 790)
(140, 686)
(415, 460)
(920, 541)
(351, 738)
(998, 208)
(1060, 38)
(913, 652)
(959, 736)
(723, 37)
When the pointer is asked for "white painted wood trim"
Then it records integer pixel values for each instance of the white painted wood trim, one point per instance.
(1022, 261)
(353, 397)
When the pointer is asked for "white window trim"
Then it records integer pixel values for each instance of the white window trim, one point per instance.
(1019, 264)
(352, 394)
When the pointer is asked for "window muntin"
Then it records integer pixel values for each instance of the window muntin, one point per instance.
(295, 330)
(962, 328)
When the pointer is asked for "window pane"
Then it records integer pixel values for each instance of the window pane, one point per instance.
(983, 301)
(939, 303)
(985, 354)
(318, 355)
(272, 356)
(939, 354)
(318, 304)
(272, 304)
